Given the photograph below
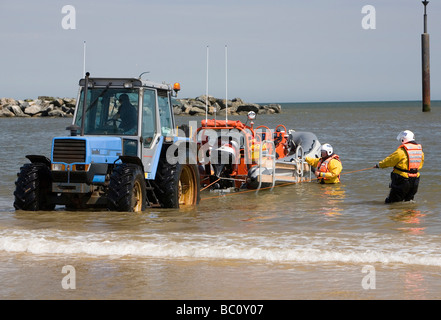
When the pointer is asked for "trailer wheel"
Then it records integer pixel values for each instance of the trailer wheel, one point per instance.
(127, 189)
(177, 185)
(33, 188)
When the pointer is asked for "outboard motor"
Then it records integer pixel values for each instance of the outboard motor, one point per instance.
(308, 141)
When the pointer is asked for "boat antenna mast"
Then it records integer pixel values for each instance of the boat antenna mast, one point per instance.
(226, 84)
(206, 91)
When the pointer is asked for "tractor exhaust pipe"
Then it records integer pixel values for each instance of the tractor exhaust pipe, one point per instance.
(86, 86)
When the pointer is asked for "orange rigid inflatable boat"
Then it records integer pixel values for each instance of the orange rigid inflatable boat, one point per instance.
(234, 155)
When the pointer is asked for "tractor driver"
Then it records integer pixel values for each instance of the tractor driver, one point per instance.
(128, 114)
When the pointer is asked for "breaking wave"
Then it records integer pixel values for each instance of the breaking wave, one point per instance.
(268, 247)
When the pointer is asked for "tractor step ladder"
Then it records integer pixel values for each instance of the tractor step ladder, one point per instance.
(153, 202)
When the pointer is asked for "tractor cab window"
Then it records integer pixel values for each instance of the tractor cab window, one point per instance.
(165, 113)
(109, 111)
(148, 117)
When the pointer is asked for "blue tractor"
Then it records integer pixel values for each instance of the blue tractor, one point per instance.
(123, 153)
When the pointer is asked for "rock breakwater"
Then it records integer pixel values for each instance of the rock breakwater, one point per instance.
(236, 106)
(41, 107)
(45, 106)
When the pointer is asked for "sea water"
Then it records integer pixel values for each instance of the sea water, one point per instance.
(301, 241)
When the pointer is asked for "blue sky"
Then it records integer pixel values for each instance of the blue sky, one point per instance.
(278, 51)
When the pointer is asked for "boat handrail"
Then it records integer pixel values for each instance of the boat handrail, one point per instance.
(271, 153)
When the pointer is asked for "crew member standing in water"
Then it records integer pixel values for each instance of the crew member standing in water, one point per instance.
(328, 167)
(407, 160)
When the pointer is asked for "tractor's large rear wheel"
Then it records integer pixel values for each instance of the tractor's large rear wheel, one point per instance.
(33, 188)
(177, 185)
(127, 189)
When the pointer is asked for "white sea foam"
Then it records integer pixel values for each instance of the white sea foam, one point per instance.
(296, 248)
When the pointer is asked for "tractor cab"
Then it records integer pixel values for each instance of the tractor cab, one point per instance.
(138, 112)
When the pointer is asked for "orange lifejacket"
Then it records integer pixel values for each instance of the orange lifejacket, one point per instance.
(322, 165)
(415, 156)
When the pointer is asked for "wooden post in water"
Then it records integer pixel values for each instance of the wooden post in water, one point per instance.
(425, 54)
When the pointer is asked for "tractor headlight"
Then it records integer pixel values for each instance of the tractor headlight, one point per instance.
(58, 167)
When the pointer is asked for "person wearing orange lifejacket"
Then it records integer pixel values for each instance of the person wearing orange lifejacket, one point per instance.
(328, 167)
(407, 160)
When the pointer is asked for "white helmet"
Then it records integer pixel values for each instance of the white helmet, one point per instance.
(406, 136)
(327, 148)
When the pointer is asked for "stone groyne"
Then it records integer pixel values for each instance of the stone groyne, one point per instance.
(236, 106)
(41, 107)
(45, 106)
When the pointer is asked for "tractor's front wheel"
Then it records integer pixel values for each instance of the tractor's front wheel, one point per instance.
(33, 188)
(127, 189)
